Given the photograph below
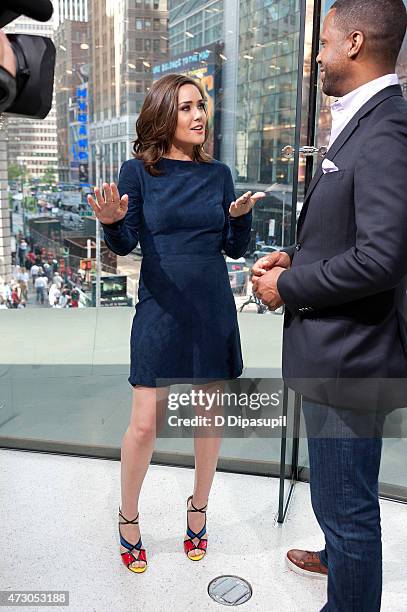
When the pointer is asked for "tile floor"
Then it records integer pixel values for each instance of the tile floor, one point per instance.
(59, 532)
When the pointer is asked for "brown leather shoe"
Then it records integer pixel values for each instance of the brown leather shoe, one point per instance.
(306, 563)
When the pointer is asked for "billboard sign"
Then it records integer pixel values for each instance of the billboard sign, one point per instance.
(78, 137)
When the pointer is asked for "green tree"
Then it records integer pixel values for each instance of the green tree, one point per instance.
(16, 172)
(50, 176)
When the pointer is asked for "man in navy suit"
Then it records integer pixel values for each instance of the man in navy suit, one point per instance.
(342, 334)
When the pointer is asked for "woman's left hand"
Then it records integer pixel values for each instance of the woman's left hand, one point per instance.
(245, 203)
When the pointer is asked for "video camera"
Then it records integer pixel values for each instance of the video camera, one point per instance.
(30, 93)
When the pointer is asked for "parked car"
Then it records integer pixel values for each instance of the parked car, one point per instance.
(238, 274)
(264, 250)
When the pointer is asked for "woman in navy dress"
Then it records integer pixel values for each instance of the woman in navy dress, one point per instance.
(180, 204)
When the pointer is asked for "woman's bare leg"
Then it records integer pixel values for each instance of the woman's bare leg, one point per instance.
(136, 451)
(207, 443)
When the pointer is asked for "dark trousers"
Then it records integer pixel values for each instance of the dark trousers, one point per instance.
(344, 453)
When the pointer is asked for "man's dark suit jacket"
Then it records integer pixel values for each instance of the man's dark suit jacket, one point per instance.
(351, 254)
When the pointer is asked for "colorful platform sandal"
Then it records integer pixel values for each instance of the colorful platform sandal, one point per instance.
(128, 557)
(189, 544)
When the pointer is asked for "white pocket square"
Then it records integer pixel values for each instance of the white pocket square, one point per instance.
(328, 166)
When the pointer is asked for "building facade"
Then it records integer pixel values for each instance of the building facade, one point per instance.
(193, 24)
(126, 39)
(71, 71)
(267, 89)
(73, 10)
(5, 225)
(196, 25)
(267, 74)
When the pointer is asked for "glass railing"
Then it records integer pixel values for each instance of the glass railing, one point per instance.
(64, 388)
(64, 385)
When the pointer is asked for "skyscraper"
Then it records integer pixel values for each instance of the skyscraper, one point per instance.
(74, 10)
(126, 39)
(267, 85)
(266, 108)
(194, 23)
(209, 24)
(71, 71)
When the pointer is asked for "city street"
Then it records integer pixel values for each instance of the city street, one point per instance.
(18, 220)
(128, 266)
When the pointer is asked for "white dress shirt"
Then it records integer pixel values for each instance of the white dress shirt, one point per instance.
(343, 109)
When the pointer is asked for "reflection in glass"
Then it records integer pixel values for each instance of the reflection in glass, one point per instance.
(245, 55)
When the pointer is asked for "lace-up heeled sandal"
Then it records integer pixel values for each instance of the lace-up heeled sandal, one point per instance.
(128, 557)
(203, 542)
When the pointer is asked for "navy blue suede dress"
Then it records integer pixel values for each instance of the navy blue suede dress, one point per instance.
(185, 327)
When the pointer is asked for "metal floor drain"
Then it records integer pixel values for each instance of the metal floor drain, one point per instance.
(229, 590)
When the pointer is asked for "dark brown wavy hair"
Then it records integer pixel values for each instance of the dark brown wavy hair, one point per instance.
(157, 122)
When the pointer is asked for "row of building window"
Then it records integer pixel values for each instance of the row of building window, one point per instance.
(39, 153)
(38, 162)
(108, 131)
(149, 4)
(148, 25)
(147, 45)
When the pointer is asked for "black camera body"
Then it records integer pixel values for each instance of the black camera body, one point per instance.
(30, 93)
(35, 75)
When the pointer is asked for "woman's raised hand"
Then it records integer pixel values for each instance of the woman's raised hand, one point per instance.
(111, 207)
(245, 203)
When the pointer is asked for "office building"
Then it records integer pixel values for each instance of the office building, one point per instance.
(73, 10)
(193, 24)
(126, 39)
(71, 72)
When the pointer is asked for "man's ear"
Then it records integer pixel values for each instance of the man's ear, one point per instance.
(357, 40)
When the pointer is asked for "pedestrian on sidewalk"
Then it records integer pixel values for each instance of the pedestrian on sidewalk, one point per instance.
(35, 271)
(15, 296)
(41, 286)
(22, 250)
